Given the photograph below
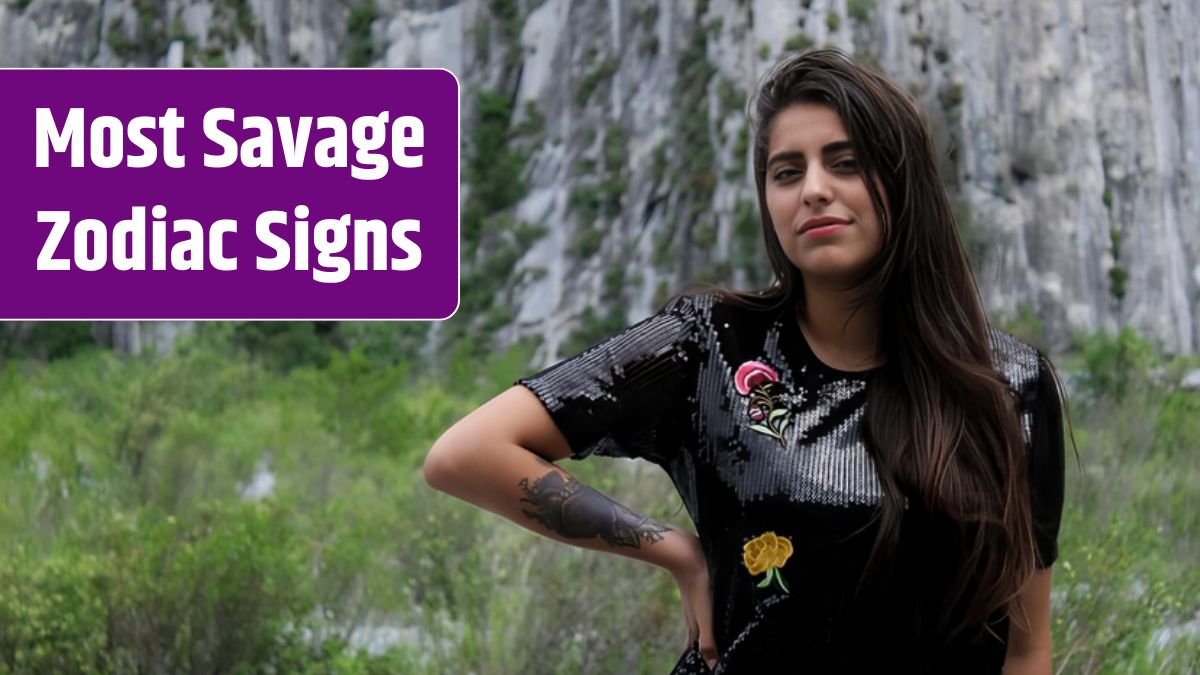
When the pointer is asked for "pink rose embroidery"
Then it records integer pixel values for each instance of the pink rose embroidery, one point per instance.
(751, 374)
(768, 414)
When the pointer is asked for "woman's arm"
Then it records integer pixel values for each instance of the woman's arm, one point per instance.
(500, 458)
(1029, 634)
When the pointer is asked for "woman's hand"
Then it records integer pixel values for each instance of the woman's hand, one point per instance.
(690, 571)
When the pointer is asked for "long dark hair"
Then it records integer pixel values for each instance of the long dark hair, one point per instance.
(941, 424)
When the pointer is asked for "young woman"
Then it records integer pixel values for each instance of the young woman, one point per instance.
(875, 475)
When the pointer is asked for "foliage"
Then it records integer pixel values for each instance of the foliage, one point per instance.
(45, 340)
(1025, 325)
(492, 239)
(1113, 365)
(1124, 584)
(360, 46)
(1116, 274)
(950, 96)
(511, 21)
(798, 42)
(594, 327)
(129, 542)
(748, 251)
(117, 40)
(645, 17)
(974, 234)
(833, 20)
(599, 73)
(860, 10)
(731, 97)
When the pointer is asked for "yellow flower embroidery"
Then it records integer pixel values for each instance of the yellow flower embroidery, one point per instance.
(767, 553)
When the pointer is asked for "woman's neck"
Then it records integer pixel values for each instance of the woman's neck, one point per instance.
(839, 336)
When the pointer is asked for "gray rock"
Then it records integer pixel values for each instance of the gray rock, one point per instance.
(1066, 126)
(1191, 381)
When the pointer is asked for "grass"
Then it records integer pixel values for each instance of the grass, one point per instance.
(125, 541)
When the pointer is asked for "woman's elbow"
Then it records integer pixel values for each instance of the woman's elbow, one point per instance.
(439, 466)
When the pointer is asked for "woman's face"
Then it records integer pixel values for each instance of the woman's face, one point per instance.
(818, 201)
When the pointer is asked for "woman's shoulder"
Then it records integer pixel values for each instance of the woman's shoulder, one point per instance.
(718, 307)
(1019, 362)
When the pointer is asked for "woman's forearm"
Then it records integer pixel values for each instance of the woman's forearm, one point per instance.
(513, 482)
(1028, 663)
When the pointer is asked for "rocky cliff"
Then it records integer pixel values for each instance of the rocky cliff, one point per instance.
(605, 157)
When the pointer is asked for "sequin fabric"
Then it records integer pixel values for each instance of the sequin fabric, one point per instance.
(759, 435)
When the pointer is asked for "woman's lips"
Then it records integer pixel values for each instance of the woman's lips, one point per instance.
(823, 230)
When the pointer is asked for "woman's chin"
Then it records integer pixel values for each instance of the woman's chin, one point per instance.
(828, 267)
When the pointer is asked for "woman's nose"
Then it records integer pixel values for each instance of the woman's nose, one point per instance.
(816, 187)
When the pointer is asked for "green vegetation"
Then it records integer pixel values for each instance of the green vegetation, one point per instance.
(244, 18)
(666, 255)
(833, 20)
(920, 39)
(1131, 521)
(360, 47)
(692, 130)
(492, 240)
(149, 40)
(128, 541)
(1117, 275)
(692, 156)
(950, 96)
(860, 10)
(867, 58)
(748, 254)
(508, 15)
(588, 241)
(645, 17)
(599, 73)
(215, 59)
(764, 51)
(117, 40)
(597, 196)
(594, 327)
(1025, 325)
(741, 155)
(732, 98)
(798, 42)
(482, 39)
(974, 234)
(648, 45)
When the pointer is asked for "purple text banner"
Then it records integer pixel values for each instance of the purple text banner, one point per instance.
(229, 194)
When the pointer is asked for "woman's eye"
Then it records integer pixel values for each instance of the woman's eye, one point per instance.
(848, 163)
(784, 174)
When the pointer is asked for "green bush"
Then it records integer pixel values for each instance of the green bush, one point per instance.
(360, 47)
(128, 544)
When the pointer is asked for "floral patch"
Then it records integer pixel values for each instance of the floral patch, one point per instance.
(766, 408)
(767, 553)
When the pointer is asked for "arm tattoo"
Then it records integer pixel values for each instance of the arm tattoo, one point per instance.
(576, 511)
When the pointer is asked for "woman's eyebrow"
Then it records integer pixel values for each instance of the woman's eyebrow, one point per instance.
(828, 149)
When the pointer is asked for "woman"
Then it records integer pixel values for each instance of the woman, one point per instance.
(874, 474)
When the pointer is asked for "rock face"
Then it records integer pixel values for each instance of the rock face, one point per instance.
(1071, 130)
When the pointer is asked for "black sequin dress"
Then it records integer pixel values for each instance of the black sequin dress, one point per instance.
(763, 442)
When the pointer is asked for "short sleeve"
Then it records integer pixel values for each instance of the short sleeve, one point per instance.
(625, 396)
(1046, 464)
